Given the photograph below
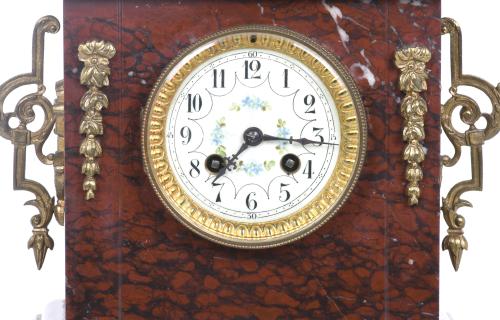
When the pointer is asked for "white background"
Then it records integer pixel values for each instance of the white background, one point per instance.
(25, 292)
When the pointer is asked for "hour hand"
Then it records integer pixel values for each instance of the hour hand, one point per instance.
(231, 163)
(302, 141)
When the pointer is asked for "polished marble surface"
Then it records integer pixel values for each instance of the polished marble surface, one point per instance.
(128, 257)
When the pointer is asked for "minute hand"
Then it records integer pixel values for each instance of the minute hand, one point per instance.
(302, 141)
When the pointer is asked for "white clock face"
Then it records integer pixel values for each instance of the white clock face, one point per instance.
(253, 88)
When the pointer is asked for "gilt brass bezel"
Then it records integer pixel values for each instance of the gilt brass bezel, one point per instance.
(279, 231)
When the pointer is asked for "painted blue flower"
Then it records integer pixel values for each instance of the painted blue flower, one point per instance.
(282, 132)
(247, 102)
(253, 103)
(252, 168)
(217, 136)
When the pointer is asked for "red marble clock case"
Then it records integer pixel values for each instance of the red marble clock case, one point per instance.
(128, 258)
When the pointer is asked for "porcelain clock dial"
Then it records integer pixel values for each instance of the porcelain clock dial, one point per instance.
(254, 136)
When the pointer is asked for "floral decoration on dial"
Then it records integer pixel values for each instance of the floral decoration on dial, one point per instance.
(254, 137)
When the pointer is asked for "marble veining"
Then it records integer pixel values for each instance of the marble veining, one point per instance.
(337, 16)
(367, 74)
(127, 257)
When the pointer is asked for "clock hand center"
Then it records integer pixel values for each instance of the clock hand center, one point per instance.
(252, 137)
(231, 163)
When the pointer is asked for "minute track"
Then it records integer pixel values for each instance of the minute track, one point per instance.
(304, 104)
(267, 106)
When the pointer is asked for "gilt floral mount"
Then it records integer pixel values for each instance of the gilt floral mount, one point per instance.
(95, 74)
(411, 62)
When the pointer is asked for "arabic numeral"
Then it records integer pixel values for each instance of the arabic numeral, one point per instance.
(317, 134)
(195, 170)
(285, 76)
(251, 203)
(186, 134)
(254, 67)
(194, 103)
(221, 185)
(308, 169)
(219, 76)
(284, 194)
(309, 101)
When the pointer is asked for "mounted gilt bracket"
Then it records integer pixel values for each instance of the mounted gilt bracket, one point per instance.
(473, 137)
(21, 137)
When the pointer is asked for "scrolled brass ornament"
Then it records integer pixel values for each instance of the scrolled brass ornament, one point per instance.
(21, 137)
(470, 112)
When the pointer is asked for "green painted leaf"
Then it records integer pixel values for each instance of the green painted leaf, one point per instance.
(268, 165)
(221, 150)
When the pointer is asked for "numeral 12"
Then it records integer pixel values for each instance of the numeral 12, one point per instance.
(254, 66)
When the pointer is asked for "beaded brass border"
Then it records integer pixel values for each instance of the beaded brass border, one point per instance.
(279, 231)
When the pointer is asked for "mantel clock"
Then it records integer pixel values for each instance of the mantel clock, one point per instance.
(219, 128)
(248, 159)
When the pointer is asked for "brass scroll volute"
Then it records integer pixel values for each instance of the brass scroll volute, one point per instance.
(474, 138)
(22, 137)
